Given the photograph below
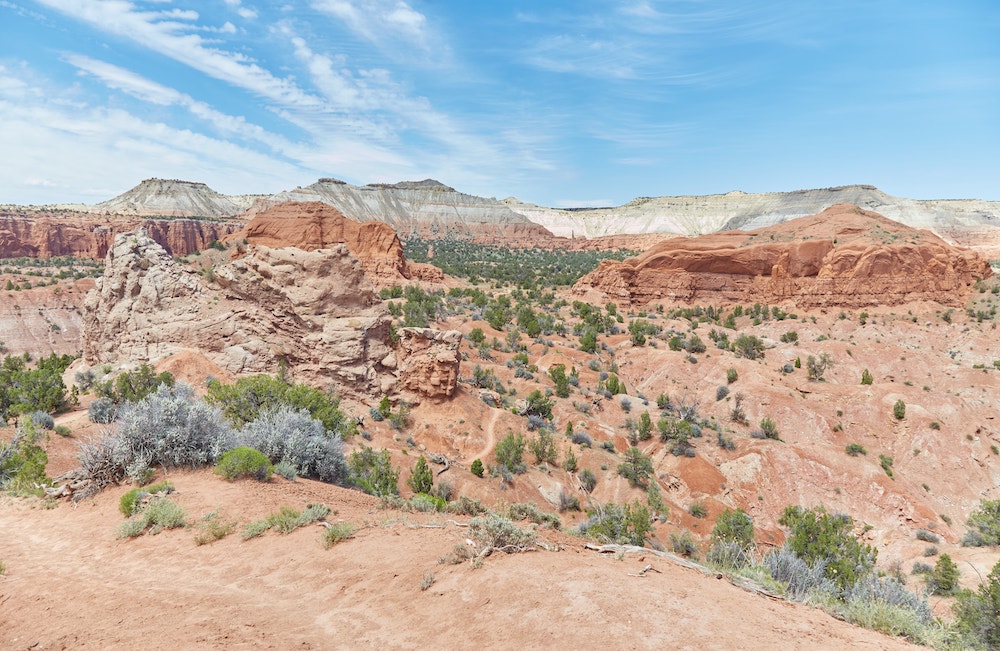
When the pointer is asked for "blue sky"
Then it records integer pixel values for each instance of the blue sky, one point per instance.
(561, 103)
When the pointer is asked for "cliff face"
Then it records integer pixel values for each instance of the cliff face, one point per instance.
(314, 310)
(50, 234)
(844, 256)
(315, 225)
(173, 198)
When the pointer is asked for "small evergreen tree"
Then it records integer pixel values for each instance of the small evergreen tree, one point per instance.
(422, 479)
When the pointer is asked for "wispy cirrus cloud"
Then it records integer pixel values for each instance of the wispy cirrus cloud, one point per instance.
(380, 21)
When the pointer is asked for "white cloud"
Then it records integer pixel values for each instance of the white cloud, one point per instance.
(380, 21)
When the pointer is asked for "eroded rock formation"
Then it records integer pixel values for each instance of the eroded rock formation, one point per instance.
(315, 225)
(429, 361)
(50, 234)
(314, 310)
(844, 256)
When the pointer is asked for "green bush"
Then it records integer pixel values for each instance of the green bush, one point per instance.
(978, 613)
(684, 544)
(732, 376)
(748, 346)
(866, 377)
(587, 480)
(509, 453)
(135, 385)
(886, 462)
(337, 533)
(619, 524)
(854, 449)
(242, 462)
(769, 429)
(131, 502)
(543, 447)
(422, 478)
(899, 410)
(944, 579)
(984, 525)
(817, 367)
(734, 526)
(23, 462)
(816, 536)
(373, 472)
(477, 468)
(159, 514)
(497, 532)
(245, 400)
(636, 467)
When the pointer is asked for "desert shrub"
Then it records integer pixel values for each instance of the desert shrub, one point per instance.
(570, 462)
(800, 578)
(899, 410)
(790, 337)
(886, 462)
(246, 399)
(582, 438)
(818, 537)
(24, 390)
(169, 428)
(102, 410)
(42, 420)
(212, 528)
(721, 392)
(373, 472)
(976, 613)
(444, 491)
(817, 367)
(683, 543)
(538, 404)
(984, 525)
(866, 377)
(422, 478)
(735, 527)
(943, 579)
(337, 533)
(284, 433)
(622, 524)
(636, 467)
(509, 453)
(530, 511)
(587, 480)
(731, 375)
(854, 449)
(286, 520)
(159, 514)
(769, 429)
(242, 462)
(477, 468)
(467, 506)
(131, 502)
(568, 501)
(697, 510)
(286, 469)
(885, 605)
(927, 536)
(23, 462)
(748, 346)
(499, 533)
(133, 386)
(543, 447)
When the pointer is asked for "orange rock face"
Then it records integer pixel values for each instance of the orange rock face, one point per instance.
(843, 257)
(429, 361)
(314, 225)
(51, 234)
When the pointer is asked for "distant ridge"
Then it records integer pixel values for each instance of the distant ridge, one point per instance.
(174, 198)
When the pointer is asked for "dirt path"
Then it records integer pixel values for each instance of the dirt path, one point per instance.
(489, 429)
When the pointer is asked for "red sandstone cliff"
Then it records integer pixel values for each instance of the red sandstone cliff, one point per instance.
(82, 235)
(314, 225)
(844, 256)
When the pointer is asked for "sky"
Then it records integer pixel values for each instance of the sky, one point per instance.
(564, 103)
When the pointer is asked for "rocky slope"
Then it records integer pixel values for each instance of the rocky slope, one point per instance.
(844, 256)
(315, 311)
(315, 225)
(699, 215)
(173, 198)
(46, 234)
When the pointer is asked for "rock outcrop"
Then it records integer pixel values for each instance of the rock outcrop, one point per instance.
(48, 234)
(314, 310)
(429, 361)
(315, 225)
(844, 256)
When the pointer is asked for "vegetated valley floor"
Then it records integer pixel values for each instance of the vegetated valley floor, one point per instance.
(70, 583)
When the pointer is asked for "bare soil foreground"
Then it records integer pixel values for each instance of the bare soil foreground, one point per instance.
(71, 584)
